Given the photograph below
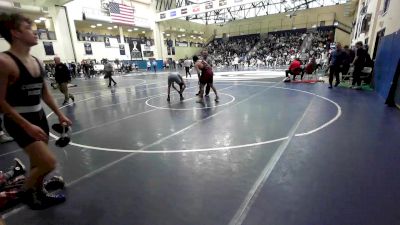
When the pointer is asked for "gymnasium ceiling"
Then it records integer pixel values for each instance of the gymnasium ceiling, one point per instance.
(43, 2)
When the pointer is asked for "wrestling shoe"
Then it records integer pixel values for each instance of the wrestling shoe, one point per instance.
(54, 183)
(38, 200)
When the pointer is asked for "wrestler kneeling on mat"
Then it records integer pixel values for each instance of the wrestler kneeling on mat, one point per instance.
(176, 78)
(22, 88)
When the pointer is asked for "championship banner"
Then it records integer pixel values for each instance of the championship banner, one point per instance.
(88, 48)
(107, 42)
(135, 48)
(48, 47)
(122, 49)
(148, 48)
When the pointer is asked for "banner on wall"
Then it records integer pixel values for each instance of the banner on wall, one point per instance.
(209, 5)
(114, 42)
(135, 48)
(183, 11)
(199, 8)
(107, 42)
(88, 48)
(42, 34)
(148, 48)
(122, 49)
(169, 50)
(173, 51)
(48, 47)
(148, 54)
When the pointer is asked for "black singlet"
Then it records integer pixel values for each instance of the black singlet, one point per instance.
(27, 90)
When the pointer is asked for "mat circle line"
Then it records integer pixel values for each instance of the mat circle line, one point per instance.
(338, 114)
(206, 107)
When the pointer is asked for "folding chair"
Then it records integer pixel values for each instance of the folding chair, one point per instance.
(349, 76)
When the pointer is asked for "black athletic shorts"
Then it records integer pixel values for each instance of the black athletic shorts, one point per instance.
(20, 136)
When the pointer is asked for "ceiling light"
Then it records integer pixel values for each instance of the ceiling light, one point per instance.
(129, 30)
(38, 21)
(143, 32)
(42, 18)
(115, 26)
(194, 37)
(99, 24)
(183, 35)
(93, 26)
(163, 32)
(109, 28)
(135, 29)
(168, 34)
(179, 35)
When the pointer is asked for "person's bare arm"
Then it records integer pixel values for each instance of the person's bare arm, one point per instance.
(184, 84)
(198, 66)
(173, 86)
(33, 130)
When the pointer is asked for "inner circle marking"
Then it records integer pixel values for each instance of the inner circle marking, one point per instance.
(193, 108)
(338, 114)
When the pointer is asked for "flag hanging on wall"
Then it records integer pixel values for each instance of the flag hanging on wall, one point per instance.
(122, 14)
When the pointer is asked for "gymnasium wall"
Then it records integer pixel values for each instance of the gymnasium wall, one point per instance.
(75, 9)
(61, 46)
(342, 37)
(379, 21)
(177, 27)
(183, 52)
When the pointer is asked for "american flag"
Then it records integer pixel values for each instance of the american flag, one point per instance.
(121, 13)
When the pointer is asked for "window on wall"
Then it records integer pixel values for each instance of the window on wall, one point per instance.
(386, 6)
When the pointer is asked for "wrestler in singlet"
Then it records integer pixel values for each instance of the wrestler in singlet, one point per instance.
(24, 94)
(206, 73)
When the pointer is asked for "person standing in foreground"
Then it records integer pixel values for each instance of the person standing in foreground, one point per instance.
(336, 64)
(63, 77)
(359, 63)
(109, 69)
(22, 88)
(206, 77)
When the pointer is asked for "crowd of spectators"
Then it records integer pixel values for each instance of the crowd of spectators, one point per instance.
(275, 50)
(225, 52)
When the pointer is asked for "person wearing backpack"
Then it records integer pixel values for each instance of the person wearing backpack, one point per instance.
(63, 77)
